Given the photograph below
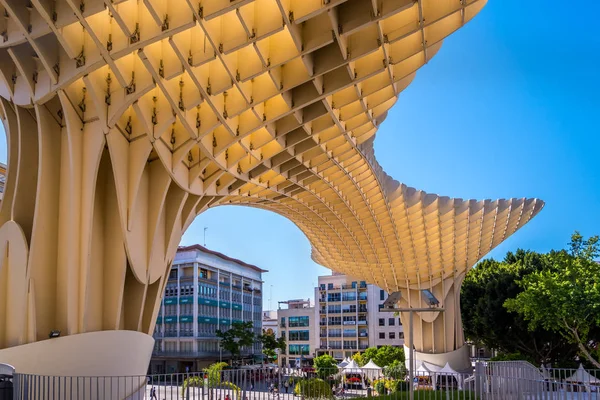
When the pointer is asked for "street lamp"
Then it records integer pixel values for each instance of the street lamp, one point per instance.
(389, 305)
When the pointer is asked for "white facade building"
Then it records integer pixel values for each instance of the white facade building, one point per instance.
(205, 291)
(270, 322)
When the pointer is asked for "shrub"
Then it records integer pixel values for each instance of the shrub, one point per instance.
(379, 386)
(313, 388)
(192, 381)
(399, 385)
(396, 370)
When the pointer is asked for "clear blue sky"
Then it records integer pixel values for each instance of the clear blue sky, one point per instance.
(507, 108)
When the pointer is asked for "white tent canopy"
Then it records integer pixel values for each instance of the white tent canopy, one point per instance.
(581, 375)
(427, 369)
(371, 369)
(342, 364)
(447, 370)
(352, 368)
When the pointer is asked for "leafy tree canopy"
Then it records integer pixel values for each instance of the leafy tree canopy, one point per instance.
(240, 335)
(487, 322)
(565, 298)
(325, 365)
(519, 305)
(382, 356)
(270, 345)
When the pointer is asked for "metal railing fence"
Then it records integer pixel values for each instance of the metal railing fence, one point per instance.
(488, 381)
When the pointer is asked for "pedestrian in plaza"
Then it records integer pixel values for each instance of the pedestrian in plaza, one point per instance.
(286, 385)
(153, 393)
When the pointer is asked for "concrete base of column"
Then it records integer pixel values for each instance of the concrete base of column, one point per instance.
(458, 359)
(87, 363)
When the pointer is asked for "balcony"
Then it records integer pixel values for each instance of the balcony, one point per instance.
(349, 323)
(335, 335)
(362, 322)
(335, 311)
(349, 311)
(363, 346)
(363, 334)
(323, 334)
(322, 323)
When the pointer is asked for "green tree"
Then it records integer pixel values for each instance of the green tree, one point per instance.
(240, 335)
(359, 359)
(213, 373)
(382, 356)
(565, 298)
(325, 366)
(487, 322)
(270, 344)
(395, 370)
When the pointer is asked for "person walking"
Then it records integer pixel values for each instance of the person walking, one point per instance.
(286, 385)
(153, 393)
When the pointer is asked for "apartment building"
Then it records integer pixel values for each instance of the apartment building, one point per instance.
(205, 291)
(349, 317)
(297, 325)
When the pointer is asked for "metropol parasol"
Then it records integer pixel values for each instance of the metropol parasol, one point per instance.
(125, 119)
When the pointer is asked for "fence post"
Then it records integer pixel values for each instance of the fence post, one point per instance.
(479, 378)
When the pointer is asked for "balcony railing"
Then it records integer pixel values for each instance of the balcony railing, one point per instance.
(335, 335)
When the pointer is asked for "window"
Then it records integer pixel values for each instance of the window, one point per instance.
(381, 295)
(399, 322)
(381, 335)
(380, 307)
(298, 335)
(283, 322)
(298, 321)
(392, 321)
(330, 286)
(322, 286)
(349, 296)
(334, 296)
(334, 308)
(381, 321)
(299, 349)
(349, 332)
(400, 335)
(283, 334)
(392, 335)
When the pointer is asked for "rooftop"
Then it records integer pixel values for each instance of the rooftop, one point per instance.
(220, 255)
